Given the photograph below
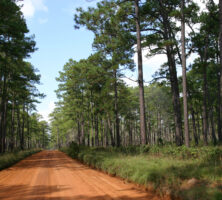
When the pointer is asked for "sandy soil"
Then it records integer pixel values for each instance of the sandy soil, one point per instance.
(52, 175)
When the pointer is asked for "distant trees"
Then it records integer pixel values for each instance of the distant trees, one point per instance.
(98, 108)
(17, 79)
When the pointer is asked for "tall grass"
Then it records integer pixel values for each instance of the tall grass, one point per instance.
(9, 159)
(165, 169)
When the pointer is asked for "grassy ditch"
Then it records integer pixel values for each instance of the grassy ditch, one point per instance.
(192, 174)
(9, 159)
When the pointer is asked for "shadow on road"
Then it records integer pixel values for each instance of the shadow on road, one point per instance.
(24, 192)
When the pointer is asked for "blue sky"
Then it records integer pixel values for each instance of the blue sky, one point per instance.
(51, 21)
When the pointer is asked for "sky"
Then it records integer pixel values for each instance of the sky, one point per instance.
(51, 21)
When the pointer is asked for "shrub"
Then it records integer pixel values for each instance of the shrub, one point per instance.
(73, 150)
(164, 167)
(9, 159)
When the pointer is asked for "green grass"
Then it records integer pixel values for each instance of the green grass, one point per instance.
(9, 159)
(163, 168)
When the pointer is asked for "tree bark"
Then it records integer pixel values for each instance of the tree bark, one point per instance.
(140, 76)
(3, 122)
(116, 110)
(219, 125)
(19, 128)
(106, 143)
(186, 124)
(79, 132)
(110, 132)
(205, 95)
(214, 139)
(220, 44)
(23, 128)
(28, 127)
(102, 131)
(194, 127)
(43, 136)
(12, 137)
(130, 133)
(173, 78)
(96, 131)
(82, 137)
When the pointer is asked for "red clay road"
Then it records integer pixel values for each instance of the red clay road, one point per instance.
(51, 175)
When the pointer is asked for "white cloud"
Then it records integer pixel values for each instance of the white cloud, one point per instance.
(45, 113)
(202, 4)
(130, 82)
(150, 64)
(29, 7)
(154, 61)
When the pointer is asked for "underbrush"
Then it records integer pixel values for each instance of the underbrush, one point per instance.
(9, 159)
(191, 173)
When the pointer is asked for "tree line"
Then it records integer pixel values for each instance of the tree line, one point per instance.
(97, 108)
(20, 127)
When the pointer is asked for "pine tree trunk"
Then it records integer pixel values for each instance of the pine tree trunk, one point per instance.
(219, 125)
(194, 126)
(12, 137)
(58, 142)
(102, 131)
(3, 114)
(116, 110)
(130, 134)
(205, 96)
(214, 139)
(28, 127)
(43, 137)
(176, 99)
(19, 128)
(23, 128)
(135, 133)
(82, 137)
(96, 131)
(186, 125)
(5, 126)
(148, 128)
(140, 76)
(106, 143)
(110, 132)
(88, 135)
(173, 78)
(220, 44)
(79, 132)
(157, 125)
(198, 125)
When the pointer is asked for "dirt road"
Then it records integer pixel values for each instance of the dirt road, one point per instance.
(52, 175)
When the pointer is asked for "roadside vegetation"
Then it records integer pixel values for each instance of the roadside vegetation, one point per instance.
(189, 173)
(9, 159)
